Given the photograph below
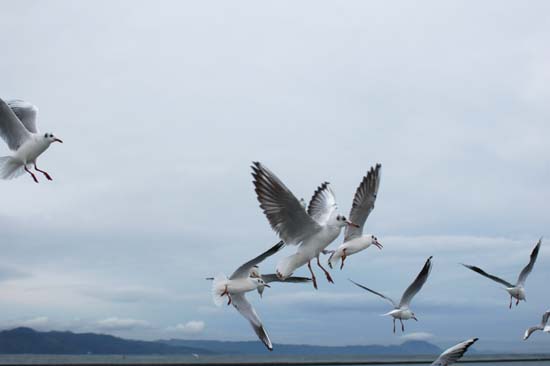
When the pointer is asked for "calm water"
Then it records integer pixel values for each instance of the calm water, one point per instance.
(236, 360)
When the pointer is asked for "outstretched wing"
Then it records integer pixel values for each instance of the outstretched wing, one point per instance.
(363, 202)
(529, 267)
(272, 277)
(285, 213)
(245, 308)
(11, 128)
(322, 204)
(545, 317)
(244, 270)
(417, 284)
(26, 112)
(454, 353)
(483, 273)
(374, 292)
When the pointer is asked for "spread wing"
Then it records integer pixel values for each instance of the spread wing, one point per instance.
(483, 273)
(285, 213)
(454, 353)
(417, 284)
(245, 308)
(374, 292)
(322, 204)
(274, 278)
(530, 331)
(26, 112)
(545, 317)
(11, 128)
(244, 270)
(363, 202)
(529, 267)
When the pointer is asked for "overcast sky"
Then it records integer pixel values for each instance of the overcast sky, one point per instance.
(163, 105)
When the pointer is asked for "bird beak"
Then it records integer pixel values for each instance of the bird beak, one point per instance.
(378, 245)
(352, 224)
(58, 140)
(266, 285)
(414, 317)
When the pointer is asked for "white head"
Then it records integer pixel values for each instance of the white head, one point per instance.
(261, 285)
(373, 240)
(50, 137)
(340, 221)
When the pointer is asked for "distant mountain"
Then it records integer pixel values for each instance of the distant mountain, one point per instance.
(26, 340)
(255, 348)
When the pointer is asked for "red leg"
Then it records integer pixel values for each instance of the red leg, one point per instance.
(313, 279)
(343, 259)
(402, 325)
(43, 172)
(509, 307)
(517, 302)
(329, 279)
(394, 325)
(229, 297)
(32, 174)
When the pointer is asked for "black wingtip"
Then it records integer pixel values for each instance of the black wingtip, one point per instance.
(475, 340)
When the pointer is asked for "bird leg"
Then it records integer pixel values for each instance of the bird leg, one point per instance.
(43, 172)
(313, 279)
(394, 325)
(225, 292)
(402, 325)
(344, 256)
(329, 279)
(32, 174)
(517, 302)
(509, 307)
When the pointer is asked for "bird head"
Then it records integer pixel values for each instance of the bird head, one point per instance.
(342, 221)
(374, 241)
(50, 137)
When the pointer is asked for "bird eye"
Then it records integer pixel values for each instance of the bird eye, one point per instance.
(46, 135)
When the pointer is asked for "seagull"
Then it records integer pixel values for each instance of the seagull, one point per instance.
(401, 311)
(516, 291)
(454, 353)
(18, 129)
(237, 285)
(363, 204)
(542, 326)
(312, 230)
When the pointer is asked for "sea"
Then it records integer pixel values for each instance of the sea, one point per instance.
(344, 360)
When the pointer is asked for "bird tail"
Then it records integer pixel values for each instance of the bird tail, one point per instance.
(10, 168)
(218, 288)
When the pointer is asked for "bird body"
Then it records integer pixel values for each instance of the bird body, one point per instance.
(542, 326)
(351, 247)
(401, 313)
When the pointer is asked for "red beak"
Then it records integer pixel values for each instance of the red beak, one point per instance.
(58, 140)
(352, 224)
(378, 245)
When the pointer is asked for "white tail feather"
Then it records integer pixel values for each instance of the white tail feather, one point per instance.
(218, 288)
(288, 265)
(10, 168)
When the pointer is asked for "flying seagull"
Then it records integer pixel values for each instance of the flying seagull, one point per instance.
(542, 326)
(237, 285)
(363, 204)
(454, 353)
(312, 231)
(516, 291)
(19, 131)
(401, 311)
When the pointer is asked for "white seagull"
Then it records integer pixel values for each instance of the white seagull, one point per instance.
(542, 326)
(401, 311)
(516, 291)
(272, 277)
(237, 285)
(312, 231)
(363, 204)
(454, 353)
(18, 129)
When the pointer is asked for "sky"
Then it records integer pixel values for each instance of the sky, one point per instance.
(163, 105)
